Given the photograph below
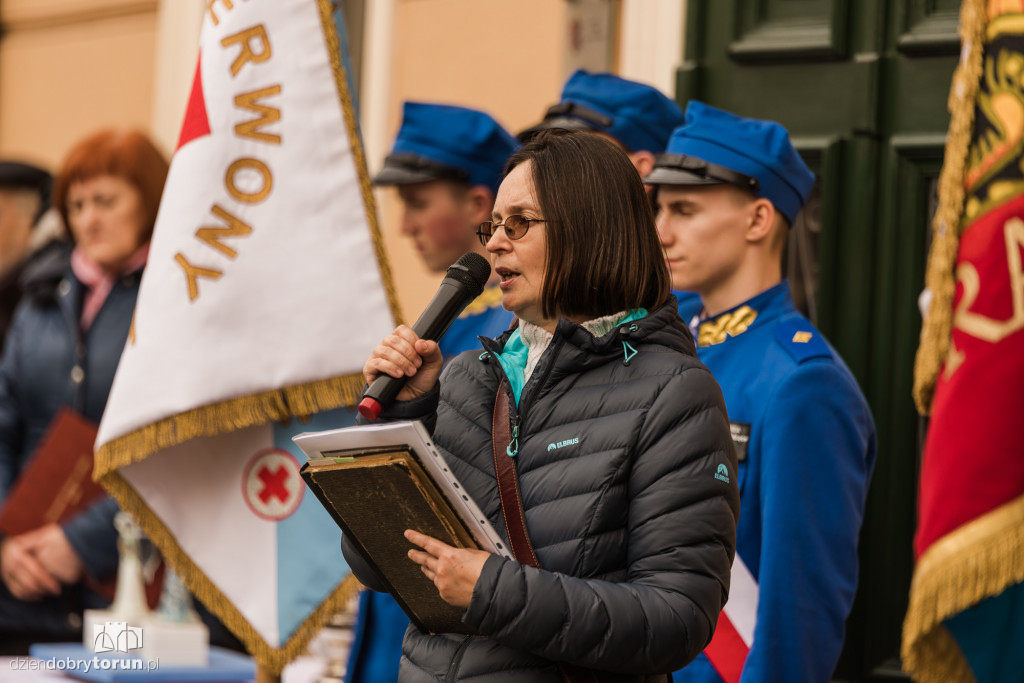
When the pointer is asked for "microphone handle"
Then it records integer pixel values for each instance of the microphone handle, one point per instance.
(449, 301)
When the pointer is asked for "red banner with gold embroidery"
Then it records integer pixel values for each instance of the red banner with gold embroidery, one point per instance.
(963, 623)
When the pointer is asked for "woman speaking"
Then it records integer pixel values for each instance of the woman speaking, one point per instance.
(610, 428)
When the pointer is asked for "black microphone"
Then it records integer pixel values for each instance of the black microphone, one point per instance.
(463, 282)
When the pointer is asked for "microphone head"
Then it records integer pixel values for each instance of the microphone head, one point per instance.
(471, 270)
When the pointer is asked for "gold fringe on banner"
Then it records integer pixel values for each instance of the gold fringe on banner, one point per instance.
(341, 80)
(280, 405)
(978, 560)
(298, 401)
(947, 225)
(270, 658)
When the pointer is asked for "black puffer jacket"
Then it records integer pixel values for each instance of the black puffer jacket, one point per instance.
(617, 467)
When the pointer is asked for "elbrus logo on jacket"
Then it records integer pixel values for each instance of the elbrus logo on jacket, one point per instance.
(562, 444)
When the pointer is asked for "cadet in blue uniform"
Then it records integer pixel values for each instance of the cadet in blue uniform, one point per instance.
(446, 163)
(727, 189)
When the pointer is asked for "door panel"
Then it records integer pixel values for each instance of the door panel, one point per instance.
(927, 26)
(790, 29)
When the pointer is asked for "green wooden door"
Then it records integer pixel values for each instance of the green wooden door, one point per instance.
(862, 86)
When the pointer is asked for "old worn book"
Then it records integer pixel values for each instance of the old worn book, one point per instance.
(376, 481)
(57, 482)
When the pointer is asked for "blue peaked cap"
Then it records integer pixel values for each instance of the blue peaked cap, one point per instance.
(754, 148)
(637, 115)
(439, 142)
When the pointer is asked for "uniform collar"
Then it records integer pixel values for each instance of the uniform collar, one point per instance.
(752, 313)
(488, 299)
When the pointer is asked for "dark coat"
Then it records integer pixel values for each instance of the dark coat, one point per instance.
(12, 282)
(47, 363)
(617, 465)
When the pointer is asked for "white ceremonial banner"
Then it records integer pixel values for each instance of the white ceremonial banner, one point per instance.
(265, 291)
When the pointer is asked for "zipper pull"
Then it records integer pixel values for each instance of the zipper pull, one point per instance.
(628, 352)
(512, 450)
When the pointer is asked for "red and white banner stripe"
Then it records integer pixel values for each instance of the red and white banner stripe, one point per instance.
(734, 636)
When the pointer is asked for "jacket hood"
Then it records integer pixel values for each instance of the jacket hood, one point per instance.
(580, 350)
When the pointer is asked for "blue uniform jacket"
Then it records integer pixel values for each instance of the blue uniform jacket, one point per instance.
(380, 626)
(484, 317)
(48, 363)
(803, 476)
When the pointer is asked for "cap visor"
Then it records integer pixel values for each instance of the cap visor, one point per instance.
(397, 175)
(563, 122)
(677, 176)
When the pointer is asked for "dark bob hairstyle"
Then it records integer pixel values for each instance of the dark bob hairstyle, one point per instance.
(603, 251)
(129, 155)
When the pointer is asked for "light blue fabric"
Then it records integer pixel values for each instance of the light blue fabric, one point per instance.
(513, 361)
(990, 634)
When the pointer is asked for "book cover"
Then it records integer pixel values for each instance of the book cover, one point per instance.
(56, 484)
(378, 481)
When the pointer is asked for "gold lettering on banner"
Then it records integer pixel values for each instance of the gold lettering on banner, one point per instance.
(954, 359)
(245, 40)
(213, 15)
(213, 234)
(981, 326)
(266, 115)
(193, 273)
(249, 197)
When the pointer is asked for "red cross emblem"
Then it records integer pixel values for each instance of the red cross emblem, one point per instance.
(271, 484)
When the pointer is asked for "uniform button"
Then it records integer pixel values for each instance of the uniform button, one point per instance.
(74, 620)
(64, 287)
(77, 374)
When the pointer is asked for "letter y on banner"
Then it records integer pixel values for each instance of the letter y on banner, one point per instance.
(266, 289)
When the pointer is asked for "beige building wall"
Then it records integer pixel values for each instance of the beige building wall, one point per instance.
(493, 56)
(68, 67)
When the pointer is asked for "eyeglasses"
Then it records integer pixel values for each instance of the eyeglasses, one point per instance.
(515, 227)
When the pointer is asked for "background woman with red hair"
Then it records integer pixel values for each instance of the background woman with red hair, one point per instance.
(62, 350)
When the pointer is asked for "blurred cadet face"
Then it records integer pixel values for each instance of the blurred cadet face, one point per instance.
(439, 218)
(106, 217)
(17, 209)
(703, 232)
(520, 263)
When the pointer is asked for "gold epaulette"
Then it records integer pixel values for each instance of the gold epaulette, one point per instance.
(488, 299)
(717, 330)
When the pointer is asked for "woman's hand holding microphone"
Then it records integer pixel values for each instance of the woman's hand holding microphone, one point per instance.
(403, 354)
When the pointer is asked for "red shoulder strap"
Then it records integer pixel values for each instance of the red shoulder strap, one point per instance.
(512, 509)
